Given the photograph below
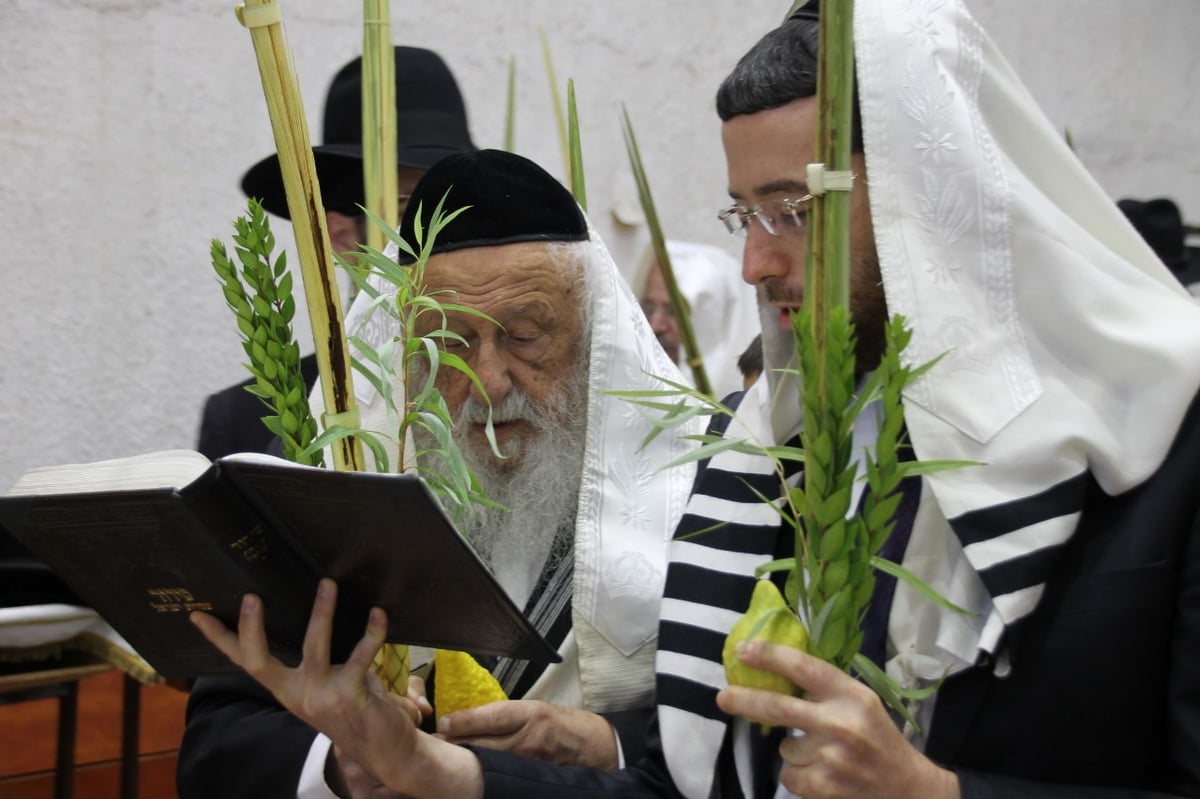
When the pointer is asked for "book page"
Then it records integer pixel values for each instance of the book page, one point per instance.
(166, 469)
(266, 460)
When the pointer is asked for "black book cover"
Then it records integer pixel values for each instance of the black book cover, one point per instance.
(144, 558)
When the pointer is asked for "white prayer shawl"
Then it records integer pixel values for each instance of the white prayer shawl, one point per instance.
(1069, 349)
(628, 505)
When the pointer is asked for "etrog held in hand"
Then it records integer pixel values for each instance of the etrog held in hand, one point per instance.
(767, 619)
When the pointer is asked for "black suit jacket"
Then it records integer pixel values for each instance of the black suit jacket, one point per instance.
(239, 743)
(1105, 684)
(232, 418)
(1103, 698)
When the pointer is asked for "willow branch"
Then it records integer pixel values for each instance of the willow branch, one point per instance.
(679, 304)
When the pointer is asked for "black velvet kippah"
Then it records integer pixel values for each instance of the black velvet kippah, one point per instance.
(511, 200)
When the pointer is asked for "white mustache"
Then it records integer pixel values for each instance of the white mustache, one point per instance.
(515, 407)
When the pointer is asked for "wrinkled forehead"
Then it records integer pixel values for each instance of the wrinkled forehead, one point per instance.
(542, 274)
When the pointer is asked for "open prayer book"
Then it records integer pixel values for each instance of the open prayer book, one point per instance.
(145, 540)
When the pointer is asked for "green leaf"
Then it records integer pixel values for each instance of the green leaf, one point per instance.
(901, 573)
(834, 576)
(578, 186)
(376, 448)
(917, 373)
(919, 468)
(864, 590)
(556, 103)
(793, 587)
(272, 423)
(779, 453)
(510, 106)
(834, 509)
(832, 542)
(783, 564)
(698, 533)
(702, 452)
(833, 637)
(880, 511)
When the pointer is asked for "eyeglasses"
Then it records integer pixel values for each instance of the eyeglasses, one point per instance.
(776, 216)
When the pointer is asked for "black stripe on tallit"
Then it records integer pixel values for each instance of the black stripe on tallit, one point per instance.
(687, 639)
(689, 696)
(738, 486)
(1032, 568)
(706, 587)
(1061, 499)
(554, 636)
(727, 536)
(554, 587)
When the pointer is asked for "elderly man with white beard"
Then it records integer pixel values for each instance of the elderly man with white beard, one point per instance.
(586, 511)
(534, 480)
(536, 400)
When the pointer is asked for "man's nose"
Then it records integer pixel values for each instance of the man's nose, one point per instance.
(765, 256)
(491, 367)
(660, 318)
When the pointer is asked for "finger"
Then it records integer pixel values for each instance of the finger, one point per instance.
(416, 695)
(363, 654)
(766, 707)
(407, 706)
(818, 679)
(217, 634)
(252, 636)
(500, 743)
(798, 750)
(495, 719)
(320, 625)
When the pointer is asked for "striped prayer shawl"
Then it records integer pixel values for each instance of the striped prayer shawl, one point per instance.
(549, 611)
(1015, 547)
(726, 532)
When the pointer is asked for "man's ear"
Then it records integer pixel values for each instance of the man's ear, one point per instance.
(344, 232)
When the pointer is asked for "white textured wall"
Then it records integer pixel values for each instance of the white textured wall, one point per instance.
(125, 128)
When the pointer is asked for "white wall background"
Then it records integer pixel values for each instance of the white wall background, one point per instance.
(125, 129)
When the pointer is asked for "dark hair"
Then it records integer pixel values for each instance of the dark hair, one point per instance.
(779, 68)
(750, 362)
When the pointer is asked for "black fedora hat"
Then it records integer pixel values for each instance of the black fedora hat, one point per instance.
(431, 123)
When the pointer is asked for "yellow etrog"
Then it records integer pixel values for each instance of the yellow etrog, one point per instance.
(461, 683)
(767, 619)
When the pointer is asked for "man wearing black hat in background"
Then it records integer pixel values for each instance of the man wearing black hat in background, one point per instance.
(1069, 371)
(431, 122)
(580, 542)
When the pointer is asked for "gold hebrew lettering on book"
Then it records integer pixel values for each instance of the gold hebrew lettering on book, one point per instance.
(175, 600)
(253, 545)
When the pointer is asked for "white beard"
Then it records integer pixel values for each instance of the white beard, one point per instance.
(537, 486)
